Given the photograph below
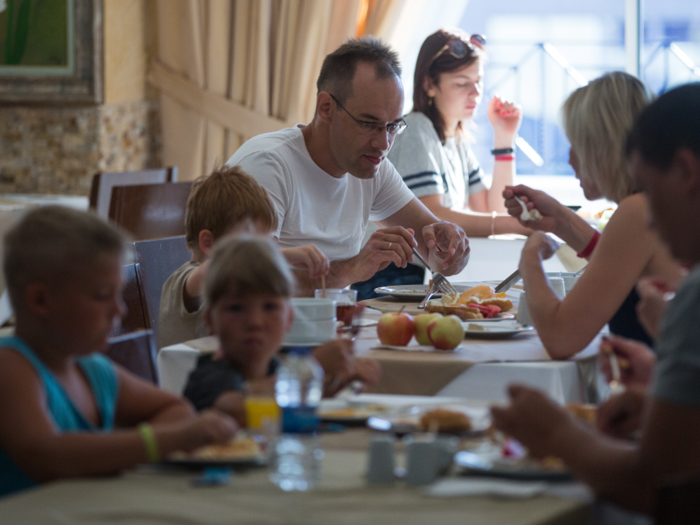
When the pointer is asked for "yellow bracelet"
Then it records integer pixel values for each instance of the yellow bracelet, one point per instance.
(149, 440)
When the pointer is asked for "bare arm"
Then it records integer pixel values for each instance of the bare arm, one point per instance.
(473, 223)
(193, 287)
(623, 252)
(617, 470)
(30, 437)
(557, 218)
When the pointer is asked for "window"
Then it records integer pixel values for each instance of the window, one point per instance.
(538, 53)
(671, 47)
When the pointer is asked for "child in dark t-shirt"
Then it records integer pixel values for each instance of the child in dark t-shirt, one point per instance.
(246, 305)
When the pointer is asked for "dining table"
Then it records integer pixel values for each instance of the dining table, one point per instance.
(165, 494)
(479, 369)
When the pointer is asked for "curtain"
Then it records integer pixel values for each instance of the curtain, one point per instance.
(228, 70)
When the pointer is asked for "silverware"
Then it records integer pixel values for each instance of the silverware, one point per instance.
(616, 386)
(432, 291)
(508, 282)
(439, 280)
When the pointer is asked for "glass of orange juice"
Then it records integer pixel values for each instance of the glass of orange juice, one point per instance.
(261, 408)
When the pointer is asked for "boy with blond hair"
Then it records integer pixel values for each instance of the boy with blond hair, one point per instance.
(227, 200)
(66, 411)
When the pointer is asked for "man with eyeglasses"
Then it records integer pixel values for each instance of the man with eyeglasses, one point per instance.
(328, 179)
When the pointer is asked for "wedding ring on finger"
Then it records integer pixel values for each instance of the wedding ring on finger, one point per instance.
(390, 243)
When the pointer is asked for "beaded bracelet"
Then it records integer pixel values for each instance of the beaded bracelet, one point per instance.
(149, 441)
(591, 245)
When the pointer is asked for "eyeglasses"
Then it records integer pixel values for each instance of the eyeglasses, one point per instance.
(393, 128)
(458, 48)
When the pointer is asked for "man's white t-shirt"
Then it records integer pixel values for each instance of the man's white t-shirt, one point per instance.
(312, 206)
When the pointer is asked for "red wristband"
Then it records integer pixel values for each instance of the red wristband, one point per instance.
(504, 157)
(591, 245)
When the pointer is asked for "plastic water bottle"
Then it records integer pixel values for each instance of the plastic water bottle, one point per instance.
(296, 456)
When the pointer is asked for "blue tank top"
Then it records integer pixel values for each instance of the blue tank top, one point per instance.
(104, 383)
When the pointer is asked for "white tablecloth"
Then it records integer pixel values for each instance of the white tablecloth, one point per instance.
(565, 381)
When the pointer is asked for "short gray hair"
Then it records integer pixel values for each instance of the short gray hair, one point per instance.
(338, 69)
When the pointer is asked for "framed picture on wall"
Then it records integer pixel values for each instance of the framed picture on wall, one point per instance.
(51, 52)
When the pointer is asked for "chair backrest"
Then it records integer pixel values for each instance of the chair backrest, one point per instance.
(150, 211)
(678, 501)
(102, 184)
(136, 315)
(136, 352)
(158, 259)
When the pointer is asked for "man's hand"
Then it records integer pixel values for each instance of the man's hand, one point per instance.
(533, 419)
(309, 258)
(637, 361)
(448, 247)
(621, 415)
(385, 246)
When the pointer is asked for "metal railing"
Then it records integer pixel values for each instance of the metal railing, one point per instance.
(541, 139)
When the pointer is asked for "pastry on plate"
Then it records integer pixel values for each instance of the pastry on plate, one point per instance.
(462, 311)
(443, 420)
(583, 412)
(234, 449)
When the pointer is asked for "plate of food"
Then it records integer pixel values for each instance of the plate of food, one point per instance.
(239, 452)
(415, 292)
(344, 413)
(455, 420)
(488, 330)
(493, 463)
(479, 303)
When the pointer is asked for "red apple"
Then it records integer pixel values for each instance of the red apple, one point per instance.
(422, 321)
(446, 332)
(395, 329)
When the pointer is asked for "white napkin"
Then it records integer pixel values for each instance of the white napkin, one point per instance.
(453, 487)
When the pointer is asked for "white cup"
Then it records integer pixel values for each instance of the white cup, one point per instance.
(310, 309)
(305, 331)
(557, 284)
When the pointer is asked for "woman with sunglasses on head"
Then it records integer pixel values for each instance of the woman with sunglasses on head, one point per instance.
(433, 155)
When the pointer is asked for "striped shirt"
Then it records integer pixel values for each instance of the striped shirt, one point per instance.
(430, 168)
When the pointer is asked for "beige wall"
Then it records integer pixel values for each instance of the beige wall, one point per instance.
(125, 50)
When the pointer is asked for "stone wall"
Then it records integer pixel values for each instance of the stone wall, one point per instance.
(58, 150)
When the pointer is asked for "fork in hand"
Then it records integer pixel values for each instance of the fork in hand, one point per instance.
(440, 282)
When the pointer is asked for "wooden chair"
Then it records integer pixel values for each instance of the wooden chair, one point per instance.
(136, 352)
(158, 259)
(678, 502)
(136, 315)
(150, 211)
(102, 184)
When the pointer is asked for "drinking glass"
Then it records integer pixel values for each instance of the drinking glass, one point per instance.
(345, 302)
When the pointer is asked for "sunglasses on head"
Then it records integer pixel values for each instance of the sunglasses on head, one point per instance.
(458, 48)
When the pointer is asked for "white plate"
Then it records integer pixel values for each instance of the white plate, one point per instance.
(418, 291)
(502, 330)
(406, 420)
(493, 465)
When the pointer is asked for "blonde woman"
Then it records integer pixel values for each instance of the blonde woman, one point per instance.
(597, 119)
